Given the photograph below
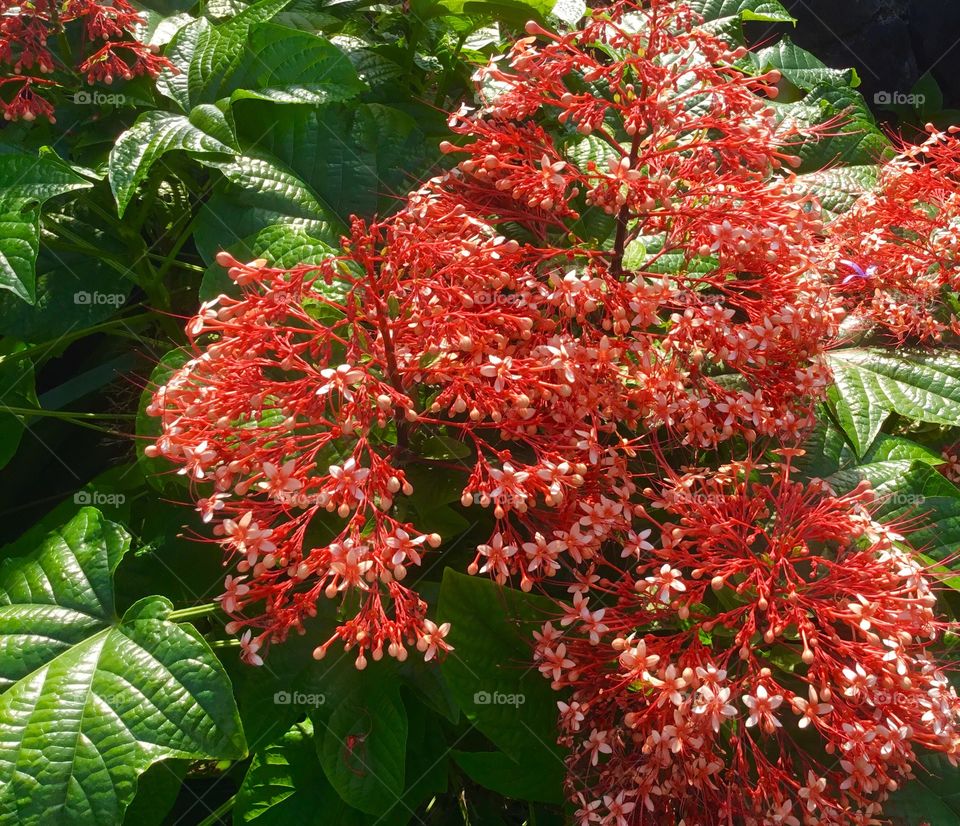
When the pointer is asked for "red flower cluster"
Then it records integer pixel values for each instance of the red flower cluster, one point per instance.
(765, 660)
(108, 50)
(896, 251)
(488, 310)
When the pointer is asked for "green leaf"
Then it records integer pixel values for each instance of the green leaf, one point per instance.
(897, 448)
(928, 90)
(26, 182)
(359, 159)
(801, 68)
(150, 138)
(916, 495)
(280, 244)
(855, 140)
(507, 11)
(205, 56)
(439, 444)
(840, 187)
(872, 383)
(363, 745)
(490, 675)
(167, 6)
(826, 448)
(289, 66)
(726, 16)
(928, 506)
(263, 175)
(883, 465)
(932, 797)
(157, 791)
(428, 761)
(215, 120)
(495, 771)
(92, 701)
(160, 29)
(285, 785)
(65, 282)
(17, 389)
(232, 215)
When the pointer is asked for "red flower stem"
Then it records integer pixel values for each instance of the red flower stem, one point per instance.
(616, 264)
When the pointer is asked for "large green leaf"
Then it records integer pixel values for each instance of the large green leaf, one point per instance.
(360, 159)
(260, 191)
(205, 56)
(284, 65)
(872, 383)
(496, 771)
(914, 494)
(490, 675)
(285, 785)
(65, 280)
(851, 135)
(281, 245)
(157, 791)
(232, 215)
(26, 182)
(837, 142)
(363, 744)
(512, 12)
(271, 183)
(726, 16)
(838, 188)
(933, 797)
(801, 68)
(143, 144)
(91, 701)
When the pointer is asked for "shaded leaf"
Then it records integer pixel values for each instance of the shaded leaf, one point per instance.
(490, 674)
(26, 182)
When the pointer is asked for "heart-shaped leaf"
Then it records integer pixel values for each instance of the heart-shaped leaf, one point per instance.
(91, 701)
(872, 383)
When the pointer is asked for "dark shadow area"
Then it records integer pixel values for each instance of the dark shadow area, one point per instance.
(891, 43)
